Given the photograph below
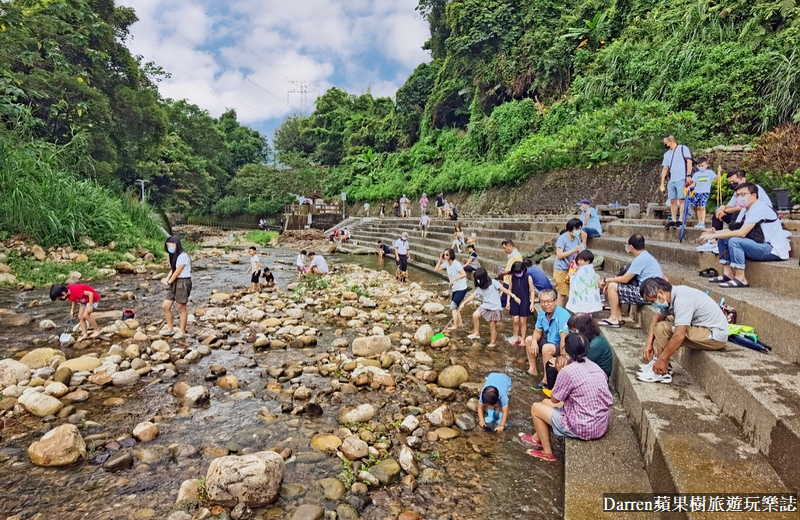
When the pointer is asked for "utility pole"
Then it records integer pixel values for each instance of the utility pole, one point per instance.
(303, 88)
(142, 183)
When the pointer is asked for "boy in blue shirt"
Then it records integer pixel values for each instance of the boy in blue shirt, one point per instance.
(494, 397)
(701, 181)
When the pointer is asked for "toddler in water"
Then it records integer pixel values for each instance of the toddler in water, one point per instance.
(494, 399)
(584, 294)
(491, 309)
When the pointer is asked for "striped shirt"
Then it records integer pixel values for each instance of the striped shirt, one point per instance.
(583, 388)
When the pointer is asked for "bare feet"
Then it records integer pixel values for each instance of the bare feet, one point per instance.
(96, 334)
(82, 338)
(533, 372)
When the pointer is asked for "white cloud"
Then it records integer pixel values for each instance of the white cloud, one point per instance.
(242, 53)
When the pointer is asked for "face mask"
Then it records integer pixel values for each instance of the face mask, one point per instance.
(518, 275)
(732, 185)
(576, 233)
(666, 146)
(702, 168)
(662, 306)
(171, 249)
(742, 202)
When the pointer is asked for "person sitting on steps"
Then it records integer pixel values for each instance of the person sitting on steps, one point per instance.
(756, 235)
(726, 214)
(624, 288)
(677, 164)
(686, 316)
(548, 334)
(591, 222)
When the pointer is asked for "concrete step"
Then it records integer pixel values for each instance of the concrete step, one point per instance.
(612, 464)
(689, 445)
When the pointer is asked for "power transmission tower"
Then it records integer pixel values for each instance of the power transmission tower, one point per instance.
(303, 88)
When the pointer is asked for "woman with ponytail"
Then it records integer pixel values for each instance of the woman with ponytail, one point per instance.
(579, 405)
(179, 286)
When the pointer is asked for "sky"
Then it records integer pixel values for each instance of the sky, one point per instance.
(244, 54)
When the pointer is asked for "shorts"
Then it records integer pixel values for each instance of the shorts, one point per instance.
(456, 298)
(423, 228)
(591, 232)
(629, 293)
(543, 341)
(254, 278)
(94, 305)
(559, 430)
(675, 189)
(699, 200)
(561, 285)
(179, 291)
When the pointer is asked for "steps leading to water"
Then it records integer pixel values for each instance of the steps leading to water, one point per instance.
(730, 421)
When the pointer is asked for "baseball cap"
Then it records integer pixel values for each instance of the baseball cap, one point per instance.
(584, 201)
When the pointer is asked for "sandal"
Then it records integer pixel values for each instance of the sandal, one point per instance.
(734, 284)
(709, 273)
(473, 336)
(719, 279)
(609, 324)
(539, 454)
(528, 439)
(491, 345)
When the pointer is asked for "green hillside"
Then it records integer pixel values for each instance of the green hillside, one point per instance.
(518, 88)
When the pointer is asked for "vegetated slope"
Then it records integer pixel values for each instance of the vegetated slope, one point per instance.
(518, 88)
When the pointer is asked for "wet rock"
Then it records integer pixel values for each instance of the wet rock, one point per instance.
(430, 476)
(125, 268)
(313, 409)
(452, 376)
(354, 448)
(56, 390)
(361, 414)
(307, 512)
(326, 443)
(195, 396)
(16, 320)
(345, 511)
(332, 487)
(443, 394)
(242, 512)
(148, 456)
(303, 393)
(78, 396)
(145, 431)
(229, 382)
(409, 424)
(40, 357)
(254, 480)
(81, 364)
(369, 478)
(440, 343)
(466, 422)
(387, 472)
(39, 404)
(408, 461)
(189, 495)
(442, 416)
(63, 375)
(340, 343)
(371, 346)
(125, 378)
(118, 462)
(446, 433)
(409, 515)
(60, 446)
(472, 389)
(180, 389)
(182, 451)
(359, 488)
(414, 442)
(12, 372)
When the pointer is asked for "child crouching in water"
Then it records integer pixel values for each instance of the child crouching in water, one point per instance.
(87, 298)
(584, 294)
(494, 399)
(491, 309)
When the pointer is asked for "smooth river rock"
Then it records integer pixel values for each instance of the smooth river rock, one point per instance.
(145, 431)
(39, 404)
(371, 346)
(453, 376)
(12, 372)
(360, 414)
(254, 480)
(60, 446)
(39, 357)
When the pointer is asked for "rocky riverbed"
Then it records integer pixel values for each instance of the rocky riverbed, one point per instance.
(320, 399)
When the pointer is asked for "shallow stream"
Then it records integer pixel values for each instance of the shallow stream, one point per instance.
(485, 475)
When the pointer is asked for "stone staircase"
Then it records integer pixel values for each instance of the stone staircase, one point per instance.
(729, 422)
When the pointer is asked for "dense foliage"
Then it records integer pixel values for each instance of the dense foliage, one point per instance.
(518, 88)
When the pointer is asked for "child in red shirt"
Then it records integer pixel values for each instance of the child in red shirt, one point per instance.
(84, 296)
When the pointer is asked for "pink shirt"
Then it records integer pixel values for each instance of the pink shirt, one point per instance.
(583, 388)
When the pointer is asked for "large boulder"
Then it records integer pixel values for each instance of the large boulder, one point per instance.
(371, 346)
(39, 357)
(12, 372)
(360, 414)
(452, 376)
(254, 480)
(81, 364)
(432, 308)
(60, 446)
(424, 334)
(39, 404)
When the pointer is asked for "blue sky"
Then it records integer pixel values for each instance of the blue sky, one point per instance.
(243, 53)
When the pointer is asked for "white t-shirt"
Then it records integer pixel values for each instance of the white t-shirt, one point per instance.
(425, 220)
(452, 272)
(255, 263)
(184, 260)
(366, 206)
(319, 263)
(773, 231)
(762, 197)
(299, 262)
(676, 161)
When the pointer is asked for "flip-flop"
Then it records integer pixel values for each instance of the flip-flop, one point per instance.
(734, 284)
(608, 324)
(709, 273)
(719, 279)
(491, 345)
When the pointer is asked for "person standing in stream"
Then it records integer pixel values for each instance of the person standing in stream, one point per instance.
(458, 283)
(179, 287)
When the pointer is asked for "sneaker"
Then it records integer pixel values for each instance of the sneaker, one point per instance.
(708, 247)
(179, 335)
(652, 377)
(700, 225)
(648, 367)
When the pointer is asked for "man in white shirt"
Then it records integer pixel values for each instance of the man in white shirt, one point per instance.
(404, 206)
(317, 264)
(366, 209)
(402, 253)
(677, 164)
(757, 235)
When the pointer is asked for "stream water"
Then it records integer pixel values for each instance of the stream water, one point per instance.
(486, 475)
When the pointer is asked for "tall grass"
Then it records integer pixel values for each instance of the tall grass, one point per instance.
(44, 198)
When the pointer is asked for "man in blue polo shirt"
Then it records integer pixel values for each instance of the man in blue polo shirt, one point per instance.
(549, 333)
